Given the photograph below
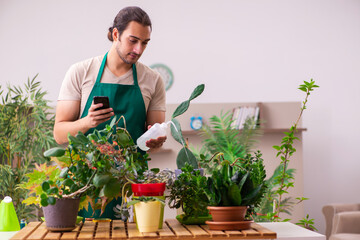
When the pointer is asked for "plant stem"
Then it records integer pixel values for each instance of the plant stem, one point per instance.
(286, 153)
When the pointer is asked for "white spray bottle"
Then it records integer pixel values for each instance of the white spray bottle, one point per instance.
(157, 130)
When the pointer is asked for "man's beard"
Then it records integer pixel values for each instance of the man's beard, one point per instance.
(122, 57)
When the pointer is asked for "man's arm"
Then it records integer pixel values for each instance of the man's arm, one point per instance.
(152, 118)
(67, 119)
(155, 117)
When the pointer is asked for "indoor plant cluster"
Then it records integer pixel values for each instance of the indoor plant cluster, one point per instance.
(93, 171)
(106, 164)
(239, 177)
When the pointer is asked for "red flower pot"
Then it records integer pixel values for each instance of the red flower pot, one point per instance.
(148, 189)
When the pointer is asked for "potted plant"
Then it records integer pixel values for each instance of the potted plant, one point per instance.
(89, 169)
(151, 183)
(26, 123)
(188, 193)
(232, 188)
(148, 212)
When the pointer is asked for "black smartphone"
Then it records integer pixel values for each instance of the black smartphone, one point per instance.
(102, 99)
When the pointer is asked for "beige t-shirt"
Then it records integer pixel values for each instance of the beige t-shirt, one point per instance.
(80, 79)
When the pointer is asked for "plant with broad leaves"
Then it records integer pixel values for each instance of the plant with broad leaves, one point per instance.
(92, 166)
(185, 155)
(241, 183)
(188, 193)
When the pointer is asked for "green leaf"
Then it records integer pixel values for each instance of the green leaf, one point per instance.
(51, 200)
(54, 190)
(64, 172)
(82, 138)
(181, 108)
(44, 202)
(113, 121)
(243, 180)
(177, 133)
(186, 156)
(112, 188)
(197, 91)
(133, 202)
(43, 196)
(100, 180)
(122, 138)
(45, 186)
(234, 195)
(155, 170)
(93, 136)
(54, 152)
(68, 182)
(73, 140)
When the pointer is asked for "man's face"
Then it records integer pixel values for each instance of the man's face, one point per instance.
(132, 42)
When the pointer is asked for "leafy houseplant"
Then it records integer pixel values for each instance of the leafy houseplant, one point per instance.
(151, 183)
(26, 124)
(232, 188)
(91, 168)
(188, 193)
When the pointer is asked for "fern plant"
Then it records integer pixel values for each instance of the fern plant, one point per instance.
(220, 136)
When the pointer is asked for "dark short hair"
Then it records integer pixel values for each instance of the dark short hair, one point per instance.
(125, 16)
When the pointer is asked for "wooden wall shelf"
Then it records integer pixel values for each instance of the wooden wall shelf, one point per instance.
(265, 130)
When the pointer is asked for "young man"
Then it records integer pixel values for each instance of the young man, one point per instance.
(134, 90)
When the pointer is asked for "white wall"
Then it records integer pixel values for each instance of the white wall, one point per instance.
(243, 50)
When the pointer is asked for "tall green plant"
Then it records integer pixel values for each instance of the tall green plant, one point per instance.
(276, 200)
(26, 124)
(285, 151)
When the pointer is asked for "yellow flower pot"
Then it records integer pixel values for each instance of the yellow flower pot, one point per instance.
(148, 216)
(161, 211)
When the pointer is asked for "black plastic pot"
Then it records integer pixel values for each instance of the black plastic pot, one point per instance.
(62, 215)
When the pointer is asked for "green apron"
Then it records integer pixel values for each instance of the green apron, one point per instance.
(125, 100)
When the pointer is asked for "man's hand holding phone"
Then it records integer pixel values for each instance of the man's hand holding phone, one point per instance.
(99, 111)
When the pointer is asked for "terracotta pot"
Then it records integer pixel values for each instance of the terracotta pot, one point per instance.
(241, 225)
(61, 216)
(227, 214)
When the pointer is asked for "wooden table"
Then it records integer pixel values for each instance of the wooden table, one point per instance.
(117, 230)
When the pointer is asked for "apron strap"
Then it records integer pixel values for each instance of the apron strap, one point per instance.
(101, 70)
(135, 75)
